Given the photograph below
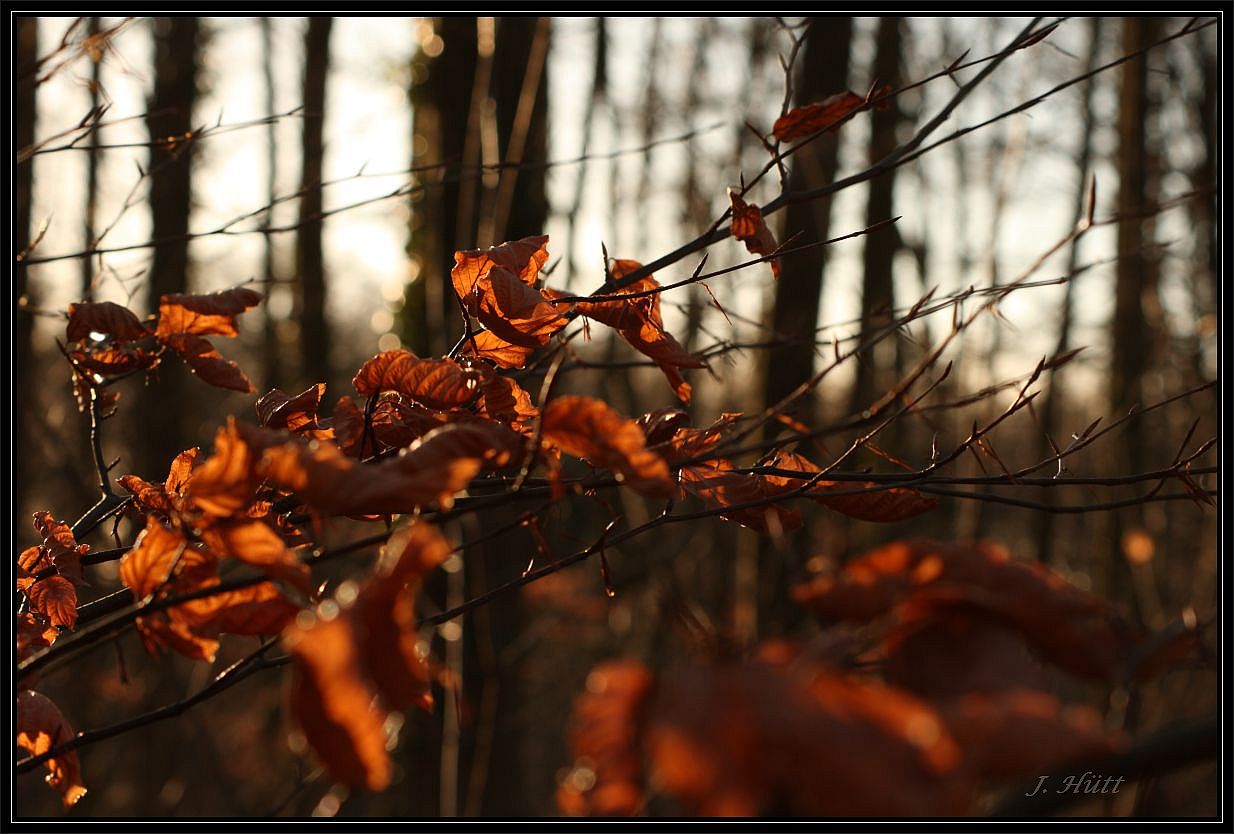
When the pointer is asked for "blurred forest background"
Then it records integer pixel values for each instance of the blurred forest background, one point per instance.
(336, 164)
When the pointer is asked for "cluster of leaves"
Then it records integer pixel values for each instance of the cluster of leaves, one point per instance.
(927, 677)
(422, 432)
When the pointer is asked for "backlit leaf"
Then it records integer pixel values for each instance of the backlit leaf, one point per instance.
(204, 315)
(40, 727)
(587, 428)
(749, 227)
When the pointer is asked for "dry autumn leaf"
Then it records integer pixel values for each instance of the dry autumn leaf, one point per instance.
(717, 486)
(40, 727)
(827, 114)
(750, 228)
(334, 706)
(204, 315)
(486, 345)
(106, 317)
(207, 363)
(879, 504)
(587, 428)
(437, 383)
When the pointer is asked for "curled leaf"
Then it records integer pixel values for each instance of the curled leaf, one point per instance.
(104, 317)
(587, 428)
(437, 383)
(827, 114)
(750, 228)
(213, 314)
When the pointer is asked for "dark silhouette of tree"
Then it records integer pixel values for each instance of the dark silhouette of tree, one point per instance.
(24, 112)
(168, 120)
(315, 341)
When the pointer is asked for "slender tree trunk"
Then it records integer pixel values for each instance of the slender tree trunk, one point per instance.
(310, 267)
(442, 86)
(92, 171)
(24, 116)
(824, 71)
(164, 433)
(876, 365)
(1052, 405)
(271, 360)
(599, 93)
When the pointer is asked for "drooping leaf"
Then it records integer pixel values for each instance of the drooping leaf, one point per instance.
(660, 425)
(384, 616)
(334, 706)
(33, 633)
(587, 428)
(226, 483)
(505, 400)
(207, 363)
(113, 359)
(437, 383)
(750, 228)
(40, 727)
(525, 258)
(213, 314)
(59, 548)
(512, 310)
(105, 317)
(298, 414)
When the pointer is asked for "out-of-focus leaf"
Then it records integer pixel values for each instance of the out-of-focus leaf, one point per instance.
(878, 505)
(40, 727)
(717, 486)
(334, 706)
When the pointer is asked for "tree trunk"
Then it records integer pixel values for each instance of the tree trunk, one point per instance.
(824, 71)
(271, 362)
(876, 365)
(310, 267)
(92, 171)
(163, 432)
(23, 117)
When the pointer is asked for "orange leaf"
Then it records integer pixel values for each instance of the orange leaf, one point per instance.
(227, 483)
(384, 616)
(525, 258)
(490, 346)
(207, 363)
(56, 599)
(827, 114)
(749, 227)
(257, 544)
(40, 727)
(438, 383)
(103, 317)
(607, 779)
(505, 400)
(298, 414)
(60, 547)
(204, 315)
(588, 428)
(33, 633)
(512, 310)
(113, 359)
(334, 707)
(717, 486)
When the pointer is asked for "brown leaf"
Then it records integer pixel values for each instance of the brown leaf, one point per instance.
(660, 425)
(512, 310)
(749, 227)
(103, 317)
(207, 363)
(827, 114)
(256, 610)
(203, 315)
(33, 633)
(298, 414)
(334, 707)
(384, 616)
(436, 466)
(113, 359)
(878, 505)
(40, 727)
(587, 428)
(437, 383)
(717, 486)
